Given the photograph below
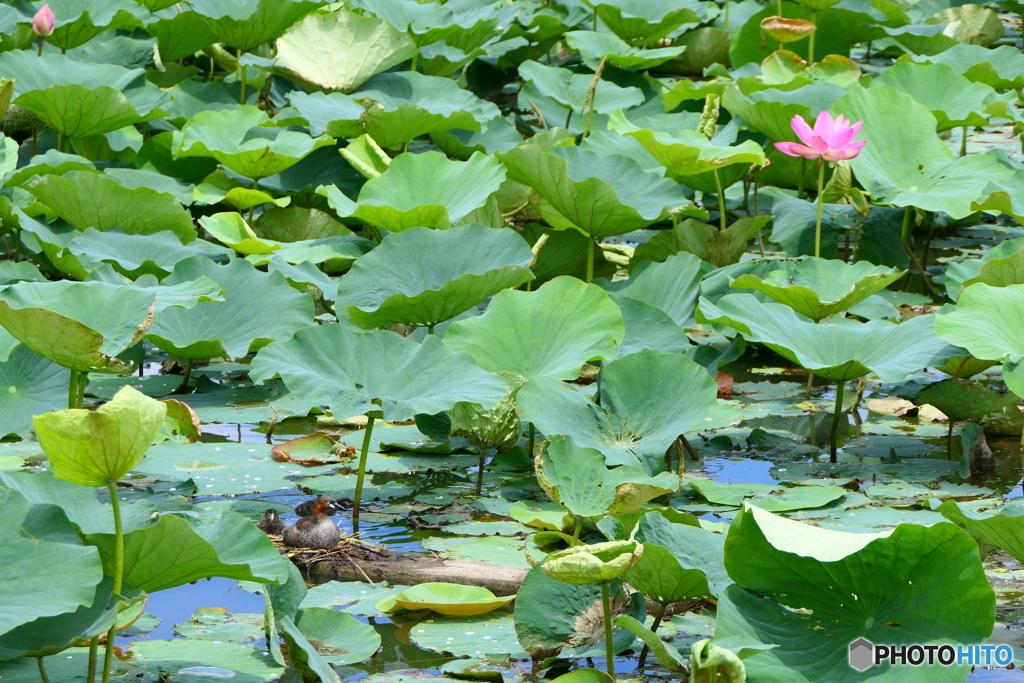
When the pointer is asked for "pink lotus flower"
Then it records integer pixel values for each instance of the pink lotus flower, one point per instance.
(830, 139)
(43, 21)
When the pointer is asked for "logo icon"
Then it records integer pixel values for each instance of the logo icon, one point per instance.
(862, 654)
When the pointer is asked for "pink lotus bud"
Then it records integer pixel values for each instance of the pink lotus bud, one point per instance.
(42, 22)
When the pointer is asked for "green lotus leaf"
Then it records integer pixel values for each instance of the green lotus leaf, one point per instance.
(179, 550)
(180, 34)
(451, 599)
(335, 113)
(422, 190)
(969, 24)
(687, 152)
(403, 106)
(599, 195)
(823, 589)
(495, 427)
(29, 385)
(841, 351)
(986, 324)
(79, 325)
(770, 110)
(183, 294)
(257, 308)
(184, 656)
(348, 370)
(496, 135)
(818, 288)
(666, 654)
(782, 67)
(89, 200)
(96, 448)
(560, 96)
(140, 254)
(905, 163)
(766, 496)
(394, 285)
(245, 140)
(247, 24)
(671, 286)
(648, 327)
(76, 22)
(585, 675)
(710, 662)
(551, 331)
(642, 22)
(45, 569)
(686, 561)
(225, 191)
(296, 224)
(339, 637)
(647, 400)
(81, 99)
(964, 400)
(1000, 68)
(709, 243)
(1003, 529)
(951, 98)
(548, 612)
(594, 46)
(595, 563)
(341, 50)
(578, 479)
(999, 266)
(705, 47)
(337, 254)
(832, 37)
(231, 229)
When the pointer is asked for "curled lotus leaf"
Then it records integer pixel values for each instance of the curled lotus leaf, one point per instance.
(595, 563)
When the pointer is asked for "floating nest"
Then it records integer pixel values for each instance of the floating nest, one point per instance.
(350, 549)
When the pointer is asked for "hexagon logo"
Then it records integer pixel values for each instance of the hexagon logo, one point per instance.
(862, 654)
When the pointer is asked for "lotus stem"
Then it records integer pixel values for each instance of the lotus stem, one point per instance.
(835, 422)
(810, 385)
(963, 142)
(415, 59)
(358, 496)
(949, 440)
(480, 469)
(810, 38)
(800, 179)
(185, 377)
(821, 199)
(242, 76)
(83, 380)
(905, 237)
(689, 448)
(606, 603)
(115, 504)
(94, 646)
(430, 328)
(531, 439)
(721, 201)
(579, 528)
(39, 660)
(778, 10)
(590, 261)
(588, 102)
(73, 390)
(654, 629)
(726, 16)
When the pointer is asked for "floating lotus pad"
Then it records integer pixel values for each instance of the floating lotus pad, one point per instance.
(450, 599)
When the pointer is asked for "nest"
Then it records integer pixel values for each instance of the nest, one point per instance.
(349, 549)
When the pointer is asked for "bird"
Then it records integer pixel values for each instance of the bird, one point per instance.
(306, 509)
(315, 531)
(271, 523)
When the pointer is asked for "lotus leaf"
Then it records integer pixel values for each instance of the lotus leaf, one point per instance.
(341, 50)
(601, 195)
(296, 224)
(952, 99)
(648, 327)
(560, 94)
(985, 323)
(423, 277)
(712, 663)
(895, 586)
(818, 288)
(594, 46)
(245, 140)
(89, 200)
(578, 479)
(423, 190)
(999, 266)
(670, 286)
(839, 352)
(1002, 530)
(549, 332)
(46, 569)
(339, 637)
(77, 22)
(696, 562)
(1000, 68)
(964, 400)
(907, 164)
(180, 34)
(81, 99)
(246, 24)
(33, 385)
(80, 325)
(584, 676)
(648, 399)
(770, 110)
(257, 309)
(347, 370)
(140, 254)
(595, 563)
(642, 22)
(96, 448)
(451, 599)
(782, 67)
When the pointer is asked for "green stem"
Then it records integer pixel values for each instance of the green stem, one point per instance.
(810, 39)
(362, 473)
(609, 646)
(778, 8)
(590, 261)
(430, 328)
(73, 389)
(578, 530)
(115, 504)
(243, 75)
(810, 385)
(42, 667)
(94, 646)
(835, 422)
(83, 380)
(800, 180)
(949, 441)
(689, 448)
(531, 440)
(480, 469)
(185, 377)
(726, 16)
(963, 143)
(255, 186)
(821, 198)
(415, 59)
(721, 200)
(654, 629)
(912, 254)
